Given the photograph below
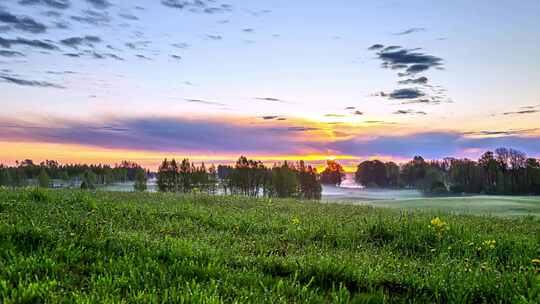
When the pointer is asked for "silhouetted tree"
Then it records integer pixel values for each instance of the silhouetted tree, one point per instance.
(333, 174)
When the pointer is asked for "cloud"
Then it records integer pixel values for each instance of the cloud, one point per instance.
(181, 45)
(6, 53)
(128, 16)
(334, 115)
(409, 112)
(391, 48)
(358, 113)
(432, 100)
(93, 18)
(432, 145)
(142, 57)
(248, 30)
(214, 37)
(169, 135)
(30, 83)
(97, 55)
(411, 30)
(203, 6)
(521, 112)
(138, 45)
(24, 23)
(410, 62)
(405, 94)
(419, 80)
(272, 99)
(503, 132)
(211, 103)
(530, 107)
(417, 68)
(99, 4)
(162, 134)
(53, 14)
(177, 57)
(218, 9)
(350, 108)
(7, 43)
(61, 73)
(75, 42)
(380, 122)
(376, 47)
(398, 58)
(269, 117)
(56, 4)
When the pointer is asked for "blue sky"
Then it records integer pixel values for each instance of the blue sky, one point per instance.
(300, 73)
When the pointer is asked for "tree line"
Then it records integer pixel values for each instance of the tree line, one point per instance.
(245, 177)
(85, 176)
(503, 171)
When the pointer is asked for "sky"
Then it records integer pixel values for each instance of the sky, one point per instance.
(107, 80)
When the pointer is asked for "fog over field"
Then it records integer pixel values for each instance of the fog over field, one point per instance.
(408, 199)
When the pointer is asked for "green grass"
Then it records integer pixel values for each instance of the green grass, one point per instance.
(70, 246)
(504, 206)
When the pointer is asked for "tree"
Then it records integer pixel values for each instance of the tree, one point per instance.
(309, 183)
(88, 180)
(140, 181)
(167, 176)
(43, 179)
(490, 167)
(285, 181)
(392, 175)
(18, 178)
(333, 174)
(185, 171)
(5, 177)
(372, 173)
(413, 172)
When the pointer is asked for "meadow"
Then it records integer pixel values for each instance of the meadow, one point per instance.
(89, 247)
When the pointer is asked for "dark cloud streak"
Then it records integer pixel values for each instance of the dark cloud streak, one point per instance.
(23, 23)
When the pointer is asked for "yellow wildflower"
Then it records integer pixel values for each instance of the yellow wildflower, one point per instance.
(489, 244)
(439, 225)
(295, 220)
(536, 261)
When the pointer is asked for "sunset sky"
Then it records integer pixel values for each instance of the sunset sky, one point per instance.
(106, 80)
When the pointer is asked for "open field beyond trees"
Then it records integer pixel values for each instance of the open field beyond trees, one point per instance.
(88, 247)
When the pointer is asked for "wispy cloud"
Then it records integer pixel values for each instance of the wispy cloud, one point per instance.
(23, 23)
(409, 112)
(6, 53)
(75, 42)
(30, 83)
(99, 4)
(211, 103)
(55, 4)
(46, 45)
(411, 30)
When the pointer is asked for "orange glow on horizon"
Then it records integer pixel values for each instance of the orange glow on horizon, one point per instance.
(70, 153)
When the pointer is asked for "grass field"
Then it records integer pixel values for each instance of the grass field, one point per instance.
(504, 206)
(71, 246)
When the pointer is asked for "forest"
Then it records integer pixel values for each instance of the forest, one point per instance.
(51, 174)
(505, 171)
(246, 177)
